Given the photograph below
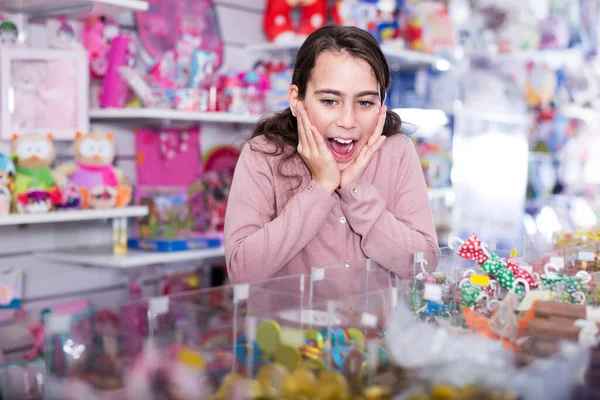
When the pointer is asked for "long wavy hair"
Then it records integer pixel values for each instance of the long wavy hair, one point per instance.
(281, 129)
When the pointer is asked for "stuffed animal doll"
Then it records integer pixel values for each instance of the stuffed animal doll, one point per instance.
(101, 184)
(35, 188)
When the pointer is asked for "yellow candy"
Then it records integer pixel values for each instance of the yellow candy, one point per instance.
(307, 381)
(377, 393)
(290, 387)
(332, 382)
(227, 384)
(271, 377)
(443, 392)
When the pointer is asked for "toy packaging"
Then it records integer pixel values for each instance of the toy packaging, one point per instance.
(11, 288)
(168, 157)
(168, 217)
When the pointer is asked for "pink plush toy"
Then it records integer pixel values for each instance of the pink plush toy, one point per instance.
(101, 185)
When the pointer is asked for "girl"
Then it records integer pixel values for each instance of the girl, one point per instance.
(330, 178)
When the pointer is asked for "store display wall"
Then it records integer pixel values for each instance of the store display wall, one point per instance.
(49, 283)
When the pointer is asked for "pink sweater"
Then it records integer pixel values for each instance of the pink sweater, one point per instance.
(271, 231)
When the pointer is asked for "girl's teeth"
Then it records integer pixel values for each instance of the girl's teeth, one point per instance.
(343, 141)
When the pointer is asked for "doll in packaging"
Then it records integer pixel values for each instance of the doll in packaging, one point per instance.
(101, 184)
(7, 175)
(35, 188)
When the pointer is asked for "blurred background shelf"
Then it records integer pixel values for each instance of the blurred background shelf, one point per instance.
(157, 115)
(75, 8)
(103, 257)
(73, 216)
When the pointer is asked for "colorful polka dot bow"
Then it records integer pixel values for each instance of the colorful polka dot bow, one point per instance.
(472, 249)
(494, 266)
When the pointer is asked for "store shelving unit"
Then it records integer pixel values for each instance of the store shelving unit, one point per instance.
(73, 216)
(102, 257)
(396, 54)
(153, 116)
(439, 193)
(47, 8)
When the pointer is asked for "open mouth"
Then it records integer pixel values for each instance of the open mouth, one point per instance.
(342, 149)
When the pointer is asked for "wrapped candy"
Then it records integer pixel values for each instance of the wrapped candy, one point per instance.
(494, 266)
(472, 249)
(520, 273)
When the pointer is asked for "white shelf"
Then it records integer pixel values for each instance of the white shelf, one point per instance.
(394, 53)
(439, 193)
(133, 259)
(72, 216)
(555, 58)
(156, 115)
(38, 8)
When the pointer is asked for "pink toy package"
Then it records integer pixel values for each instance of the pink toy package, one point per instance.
(114, 88)
(168, 22)
(168, 158)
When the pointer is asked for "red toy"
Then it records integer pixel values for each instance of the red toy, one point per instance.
(277, 23)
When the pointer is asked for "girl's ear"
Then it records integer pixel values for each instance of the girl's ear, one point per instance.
(293, 96)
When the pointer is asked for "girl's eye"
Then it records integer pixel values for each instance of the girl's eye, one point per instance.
(329, 102)
(365, 103)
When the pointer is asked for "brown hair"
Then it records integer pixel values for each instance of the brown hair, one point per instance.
(281, 129)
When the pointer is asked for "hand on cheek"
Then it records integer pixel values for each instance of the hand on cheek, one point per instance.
(357, 168)
(315, 153)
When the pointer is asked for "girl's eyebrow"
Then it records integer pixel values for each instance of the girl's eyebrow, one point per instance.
(340, 94)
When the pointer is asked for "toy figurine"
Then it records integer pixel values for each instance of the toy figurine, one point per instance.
(35, 188)
(101, 185)
(7, 174)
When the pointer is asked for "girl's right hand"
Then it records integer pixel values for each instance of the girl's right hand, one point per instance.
(315, 153)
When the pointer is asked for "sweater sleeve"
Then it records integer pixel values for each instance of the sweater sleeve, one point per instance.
(258, 243)
(392, 233)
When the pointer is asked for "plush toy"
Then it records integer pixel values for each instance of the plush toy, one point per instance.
(35, 189)
(277, 22)
(101, 185)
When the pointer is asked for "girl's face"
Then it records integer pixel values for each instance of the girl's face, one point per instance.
(342, 102)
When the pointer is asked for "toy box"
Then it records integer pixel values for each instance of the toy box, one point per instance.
(168, 216)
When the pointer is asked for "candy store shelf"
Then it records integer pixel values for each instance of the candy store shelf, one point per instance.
(103, 257)
(158, 115)
(394, 53)
(72, 216)
(42, 8)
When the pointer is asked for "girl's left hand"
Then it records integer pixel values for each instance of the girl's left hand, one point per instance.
(357, 168)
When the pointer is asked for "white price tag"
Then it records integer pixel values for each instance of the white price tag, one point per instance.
(158, 305)
(558, 262)
(433, 292)
(586, 256)
(317, 274)
(418, 258)
(241, 292)
(369, 320)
